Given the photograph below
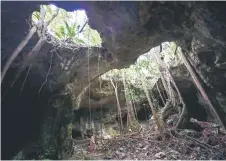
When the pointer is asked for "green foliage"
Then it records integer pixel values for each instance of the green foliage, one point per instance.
(69, 129)
(48, 151)
(134, 125)
(145, 72)
(68, 25)
(35, 15)
(87, 157)
(135, 94)
(170, 57)
(112, 132)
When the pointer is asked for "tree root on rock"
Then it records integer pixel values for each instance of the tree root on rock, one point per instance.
(41, 29)
(183, 119)
(166, 111)
(202, 144)
(17, 51)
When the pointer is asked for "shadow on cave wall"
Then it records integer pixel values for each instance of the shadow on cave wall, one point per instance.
(22, 115)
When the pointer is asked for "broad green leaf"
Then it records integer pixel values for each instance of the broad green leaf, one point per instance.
(62, 30)
(67, 27)
(81, 41)
(37, 15)
(58, 35)
(74, 26)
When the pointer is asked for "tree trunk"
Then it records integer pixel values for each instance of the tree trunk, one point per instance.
(183, 118)
(158, 122)
(160, 93)
(118, 104)
(130, 112)
(17, 51)
(200, 88)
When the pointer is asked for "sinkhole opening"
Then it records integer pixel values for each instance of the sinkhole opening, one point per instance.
(145, 72)
(71, 27)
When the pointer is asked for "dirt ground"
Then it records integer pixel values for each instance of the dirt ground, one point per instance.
(209, 144)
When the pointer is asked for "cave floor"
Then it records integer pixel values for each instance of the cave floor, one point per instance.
(186, 144)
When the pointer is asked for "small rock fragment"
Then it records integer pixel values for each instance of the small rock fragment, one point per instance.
(108, 157)
(160, 155)
(140, 145)
(123, 155)
(147, 154)
(146, 147)
(120, 149)
(173, 154)
(117, 152)
(212, 141)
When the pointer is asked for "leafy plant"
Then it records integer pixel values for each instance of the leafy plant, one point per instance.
(69, 128)
(112, 132)
(70, 25)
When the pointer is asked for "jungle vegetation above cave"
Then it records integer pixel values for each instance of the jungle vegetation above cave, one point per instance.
(69, 26)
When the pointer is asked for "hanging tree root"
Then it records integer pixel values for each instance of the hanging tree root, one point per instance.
(158, 120)
(183, 119)
(101, 106)
(21, 89)
(34, 52)
(50, 65)
(22, 44)
(118, 104)
(202, 144)
(164, 82)
(166, 111)
(171, 79)
(17, 51)
(127, 104)
(177, 89)
(160, 93)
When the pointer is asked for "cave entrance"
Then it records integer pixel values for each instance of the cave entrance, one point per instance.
(144, 113)
(129, 85)
(143, 75)
(157, 77)
(70, 27)
(76, 134)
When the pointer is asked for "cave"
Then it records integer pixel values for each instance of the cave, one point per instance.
(144, 113)
(41, 92)
(76, 134)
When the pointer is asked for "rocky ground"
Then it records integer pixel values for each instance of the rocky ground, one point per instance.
(210, 143)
